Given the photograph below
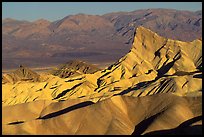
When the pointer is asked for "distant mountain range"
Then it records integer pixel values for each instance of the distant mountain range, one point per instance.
(90, 37)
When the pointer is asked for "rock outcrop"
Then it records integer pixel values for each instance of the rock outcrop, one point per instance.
(21, 74)
(74, 68)
(156, 88)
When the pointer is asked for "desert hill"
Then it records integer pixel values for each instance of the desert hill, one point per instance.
(117, 115)
(74, 68)
(21, 74)
(156, 88)
(153, 65)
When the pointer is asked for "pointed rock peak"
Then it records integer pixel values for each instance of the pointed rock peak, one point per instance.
(24, 71)
(143, 31)
(143, 35)
(21, 74)
(141, 28)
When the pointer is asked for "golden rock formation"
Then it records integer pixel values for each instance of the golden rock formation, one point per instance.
(117, 115)
(156, 85)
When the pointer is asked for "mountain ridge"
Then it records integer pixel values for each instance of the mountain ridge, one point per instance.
(92, 33)
(167, 63)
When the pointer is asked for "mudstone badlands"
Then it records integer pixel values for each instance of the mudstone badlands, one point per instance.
(156, 88)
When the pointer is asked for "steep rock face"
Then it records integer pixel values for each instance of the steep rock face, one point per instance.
(153, 65)
(155, 54)
(150, 58)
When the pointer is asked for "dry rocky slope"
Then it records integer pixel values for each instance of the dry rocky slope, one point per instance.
(21, 74)
(90, 37)
(74, 68)
(153, 89)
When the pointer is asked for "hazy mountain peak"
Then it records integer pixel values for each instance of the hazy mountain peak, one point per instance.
(42, 21)
(113, 30)
(11, 20)
(8, 20)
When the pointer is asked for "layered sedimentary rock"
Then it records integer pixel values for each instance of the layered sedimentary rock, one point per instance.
(117, 115)
(21, 74)
(74, 68)
(157, 85)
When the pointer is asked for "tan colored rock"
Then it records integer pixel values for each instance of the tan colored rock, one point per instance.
(167, 111)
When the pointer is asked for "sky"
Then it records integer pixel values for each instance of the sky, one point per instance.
(53, 11)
